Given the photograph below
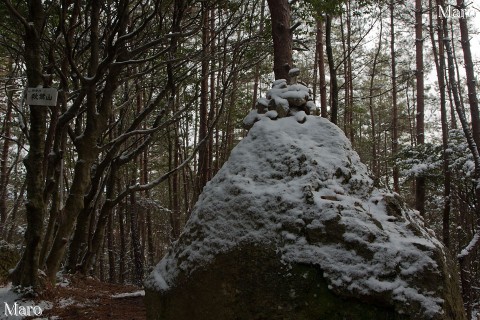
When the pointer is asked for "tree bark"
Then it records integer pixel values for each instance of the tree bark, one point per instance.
(349, 83)
(136, 248)
(257, 68)
(396, 175)
(333, 72)
(439, 57)
(375, 158)
(202, 173)
(26, 271)
(470, 73)
(282, 38)
(321, 68)
(465, 257)
(123, 244)
(6, 132)
(420, 183)
(112, 274)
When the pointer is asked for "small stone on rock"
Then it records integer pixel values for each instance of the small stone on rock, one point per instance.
(294, 72)
(272, 114)
(301, 116)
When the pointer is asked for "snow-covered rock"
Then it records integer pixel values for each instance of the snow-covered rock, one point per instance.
(286, 100)
(292, 227)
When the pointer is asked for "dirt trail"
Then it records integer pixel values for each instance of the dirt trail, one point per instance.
(86, 298)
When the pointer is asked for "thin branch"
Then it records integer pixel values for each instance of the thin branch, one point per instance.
(17, 14)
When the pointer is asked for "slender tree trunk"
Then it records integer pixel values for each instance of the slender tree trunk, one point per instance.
(375, 147)
(175, 186)
(347, 66)
(6, 132)
(257, 68)
(149, 220)
(123, 244)
(470, 73)
(345, 72)
(136, 248)
(333, 71)
(321, 69)
(212, 111)
(396, 175)
(112, 274)
(98, 232)
(420, 183)
(282, 38)
(439, 57)
(349, 83)
(315, 64)
(202, 173)
(101, 265)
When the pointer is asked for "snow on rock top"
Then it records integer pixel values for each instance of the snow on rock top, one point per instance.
(301, 188)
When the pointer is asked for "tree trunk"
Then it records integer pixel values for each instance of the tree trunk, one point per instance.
(6, 132)
(212, 111)
(470, 73)
(112, 274)
(439, 57)
(123, 244)
(333, 72)
(98, 112)
(94, 246)
(136, 248)
(375, 158)
(202, 173)
(345, 72)
(321, 69)
(347, 66)
(174, 185)
(256, 80)
(149, 221)
(349, 83)
(420, 183)
(26, 271)
(396, 183)
(282, 38)
(464, 257)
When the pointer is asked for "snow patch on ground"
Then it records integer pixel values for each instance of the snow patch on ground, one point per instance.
(63, 303)
(140, 293)
(9, 297)
(285, 177)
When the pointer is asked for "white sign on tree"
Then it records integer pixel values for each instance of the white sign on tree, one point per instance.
(42, 96)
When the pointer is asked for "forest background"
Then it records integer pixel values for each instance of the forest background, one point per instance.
(151, 98)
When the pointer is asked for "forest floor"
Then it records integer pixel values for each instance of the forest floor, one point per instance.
(87, 298)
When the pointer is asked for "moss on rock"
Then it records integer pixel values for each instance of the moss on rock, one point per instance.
(259, 287)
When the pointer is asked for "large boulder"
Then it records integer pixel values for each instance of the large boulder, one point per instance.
(292, 228)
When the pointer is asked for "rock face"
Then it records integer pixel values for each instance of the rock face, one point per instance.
(292, 228)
